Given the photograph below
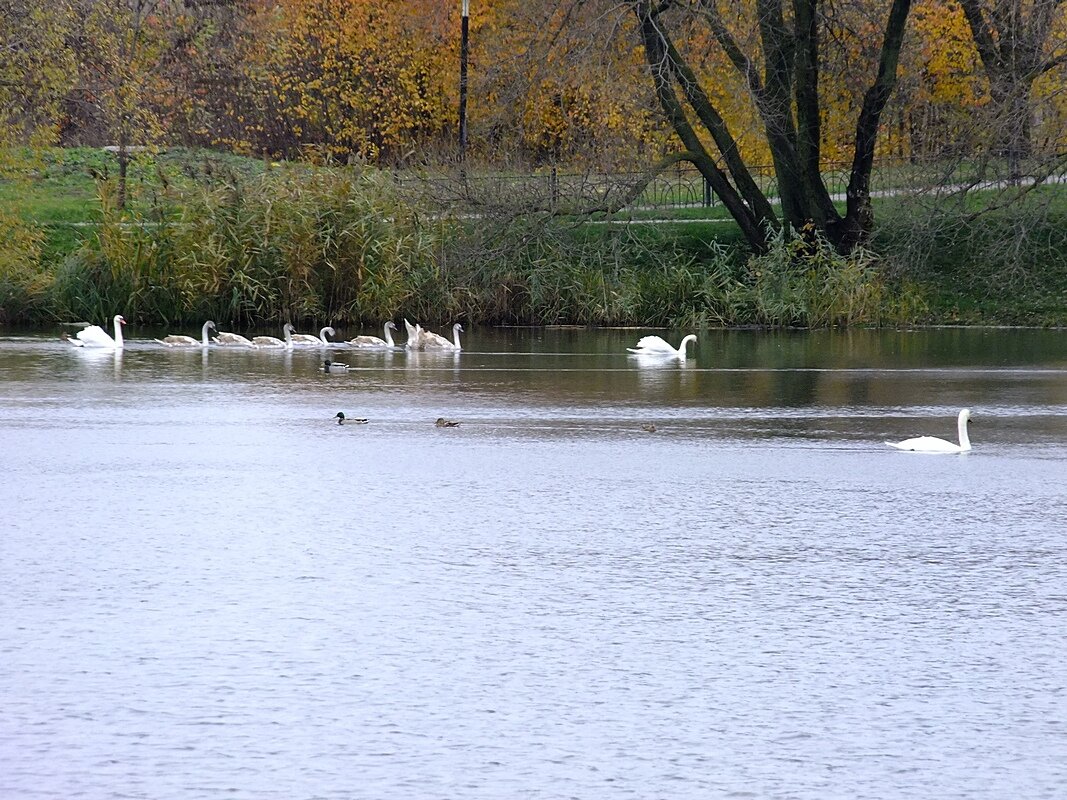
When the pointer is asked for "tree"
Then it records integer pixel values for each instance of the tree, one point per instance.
(784, 87)
(1014, 42)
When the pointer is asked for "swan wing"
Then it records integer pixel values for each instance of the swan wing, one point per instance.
(926, 444)
(179, 340)
(435, 340)
(232, 339)
(652, 344)
(267, 341)
(367, 341)
(95, 336)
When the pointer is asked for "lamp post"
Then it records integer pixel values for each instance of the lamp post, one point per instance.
(464, 49)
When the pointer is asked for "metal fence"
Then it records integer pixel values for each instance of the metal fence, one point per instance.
(682, 186)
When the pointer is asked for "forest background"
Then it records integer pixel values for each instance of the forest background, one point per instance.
(300, 160)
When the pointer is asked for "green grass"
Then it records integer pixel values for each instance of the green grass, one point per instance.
(1008, 266)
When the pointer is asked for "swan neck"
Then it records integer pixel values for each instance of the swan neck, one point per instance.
(203, 335)
(118, 332)
(455, 335)
(389, 336)
(965, 440)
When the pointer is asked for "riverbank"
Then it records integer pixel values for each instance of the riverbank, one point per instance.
(245, 241)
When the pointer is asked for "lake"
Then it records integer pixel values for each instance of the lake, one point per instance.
(211, 589)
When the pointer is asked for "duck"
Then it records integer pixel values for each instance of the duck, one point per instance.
(446, 423)
(931, 444)
(428, 340)
(368, 342)
(95, 336)
(181, 340)
(657, 346)
(333, 366)
(307, 340)
(649, 427)
(273, 342)
(227, 339)
(342, 419)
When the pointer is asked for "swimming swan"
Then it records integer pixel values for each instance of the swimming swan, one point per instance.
(428, 340)
(307, 340)
(181, 340)
(275, 342)
(95, 336)
(368, 342)
(227, 339)
(931, 444)
(333, 366)
(414, 335)
(656, 346)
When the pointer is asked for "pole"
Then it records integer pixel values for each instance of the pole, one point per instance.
(464, 49)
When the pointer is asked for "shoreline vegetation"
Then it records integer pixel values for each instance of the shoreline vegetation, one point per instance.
(251, 243)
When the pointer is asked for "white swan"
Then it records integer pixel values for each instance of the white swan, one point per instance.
(373, 341)
(434, 341)
(333, 366)
(414, 335)
(656, 346)
(181, 340)
(274, 341)
(307, 340)
(95, 336)
(931, 444)
(227, 339)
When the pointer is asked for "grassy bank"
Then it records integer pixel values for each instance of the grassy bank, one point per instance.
(244, 242)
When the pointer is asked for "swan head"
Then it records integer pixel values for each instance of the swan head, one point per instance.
(965, 415)
(210, 325)
(119, 320)
(391, 325)
(288, 327)
(690, 338)
(457, 327)
(329, 330)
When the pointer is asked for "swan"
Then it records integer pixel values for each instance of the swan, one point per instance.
(274, 341)
(656, 346)
(434, 341)
(333, 366)
(342, 419)
(227, 339)
(373, 341)
(446, 423)
(307, 340)
(931, 444)
(180, 340)
(414, 336)
(95, 336)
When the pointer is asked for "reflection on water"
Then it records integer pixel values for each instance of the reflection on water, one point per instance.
(212, 588)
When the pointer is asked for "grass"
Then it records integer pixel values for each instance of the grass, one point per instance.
(310, 246)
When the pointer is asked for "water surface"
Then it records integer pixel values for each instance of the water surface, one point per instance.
(212, 589)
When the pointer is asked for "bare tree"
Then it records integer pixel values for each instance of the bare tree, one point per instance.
(1013, 41)
(783, 81)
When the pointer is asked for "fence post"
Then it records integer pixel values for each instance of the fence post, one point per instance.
(707, 192)
(553, 184)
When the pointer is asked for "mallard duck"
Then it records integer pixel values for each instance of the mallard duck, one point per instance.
(342, 419)
(446, 423)
(333, 366)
